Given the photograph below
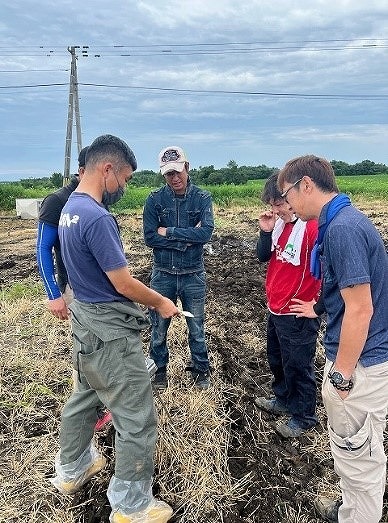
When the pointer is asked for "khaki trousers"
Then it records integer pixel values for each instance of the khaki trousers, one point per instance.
(110, 370)
(356, 426)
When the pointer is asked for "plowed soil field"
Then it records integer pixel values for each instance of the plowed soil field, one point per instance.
(276, 479)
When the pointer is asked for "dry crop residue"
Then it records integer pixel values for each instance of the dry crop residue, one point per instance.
(282, 477)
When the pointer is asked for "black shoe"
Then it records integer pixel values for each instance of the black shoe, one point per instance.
(201, 379)
(159, 381)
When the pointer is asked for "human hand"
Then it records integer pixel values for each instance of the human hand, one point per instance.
(167, 308)
(267, 221)
(303, 308)
(162, 231)
(58, 308)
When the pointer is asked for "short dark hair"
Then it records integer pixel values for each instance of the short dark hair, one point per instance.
(318, 169)
(82, 157)
(271, 192)
(110, 148)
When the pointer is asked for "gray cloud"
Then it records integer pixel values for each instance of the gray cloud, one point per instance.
(285, 48)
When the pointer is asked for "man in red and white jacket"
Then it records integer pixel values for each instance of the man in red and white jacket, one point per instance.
(286, 243)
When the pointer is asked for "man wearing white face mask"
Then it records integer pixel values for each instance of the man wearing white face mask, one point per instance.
(286, 242)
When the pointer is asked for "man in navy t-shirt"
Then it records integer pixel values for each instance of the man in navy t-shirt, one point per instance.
(47, 242)
(107, 349)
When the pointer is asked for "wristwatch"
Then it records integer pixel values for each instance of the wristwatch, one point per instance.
(339, 381)
(338, 378)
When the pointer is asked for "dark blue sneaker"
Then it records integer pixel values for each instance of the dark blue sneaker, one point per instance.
(272, 405)
(291, 429)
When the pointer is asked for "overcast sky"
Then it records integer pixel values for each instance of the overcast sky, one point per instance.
(256, 81)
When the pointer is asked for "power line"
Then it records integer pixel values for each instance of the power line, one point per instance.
(223, 48)
(268, 94)
(32, 86)
(259, 42)
(34, 70)
(247, 93)
(210, 52)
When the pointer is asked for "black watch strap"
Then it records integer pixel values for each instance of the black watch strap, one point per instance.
(346, 386)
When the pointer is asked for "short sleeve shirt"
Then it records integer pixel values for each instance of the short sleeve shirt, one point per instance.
(353, 254)
(91, 246)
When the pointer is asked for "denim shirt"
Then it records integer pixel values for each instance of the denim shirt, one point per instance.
(189, 222)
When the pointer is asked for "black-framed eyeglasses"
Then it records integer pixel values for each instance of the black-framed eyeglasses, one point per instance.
(284, 194)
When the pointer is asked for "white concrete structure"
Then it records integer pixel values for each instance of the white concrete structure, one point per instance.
(28, 208)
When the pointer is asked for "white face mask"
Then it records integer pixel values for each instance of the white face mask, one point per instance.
(110, 198)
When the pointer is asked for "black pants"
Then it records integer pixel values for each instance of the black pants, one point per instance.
(291, 344)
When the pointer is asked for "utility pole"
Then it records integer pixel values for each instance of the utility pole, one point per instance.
(72, 109)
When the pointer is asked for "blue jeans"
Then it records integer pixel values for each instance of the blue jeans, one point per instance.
(191, 290)
(291, 344)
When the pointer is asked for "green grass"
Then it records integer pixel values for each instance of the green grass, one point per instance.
(250, 194)
(134, 198)
(24, 289)
(223, 195)
(372, 186)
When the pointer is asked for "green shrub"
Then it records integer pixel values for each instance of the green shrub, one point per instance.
(134, 198)
(9, 192)
(223, 195)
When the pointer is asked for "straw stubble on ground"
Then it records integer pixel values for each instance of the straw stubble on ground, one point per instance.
(218, 458)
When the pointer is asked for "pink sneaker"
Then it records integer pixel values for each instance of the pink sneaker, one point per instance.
(101, 422)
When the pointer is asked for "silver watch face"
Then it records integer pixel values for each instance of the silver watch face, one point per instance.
(337, 377)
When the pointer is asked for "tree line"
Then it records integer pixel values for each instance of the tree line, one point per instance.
(232, 174)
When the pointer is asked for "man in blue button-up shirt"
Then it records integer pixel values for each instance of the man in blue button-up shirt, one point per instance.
(178, 221)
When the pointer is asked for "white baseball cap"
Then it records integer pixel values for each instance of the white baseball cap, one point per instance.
(172, 158)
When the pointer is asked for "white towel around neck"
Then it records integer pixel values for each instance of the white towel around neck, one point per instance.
(291, 253)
